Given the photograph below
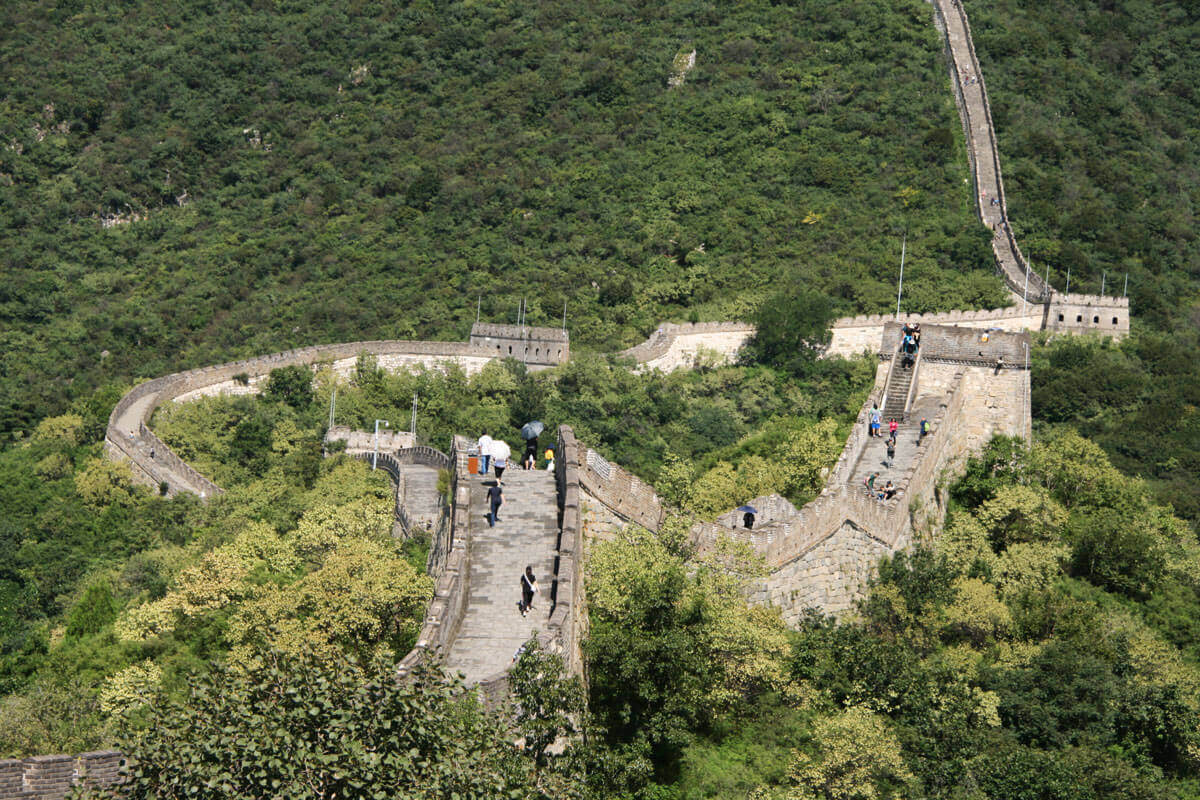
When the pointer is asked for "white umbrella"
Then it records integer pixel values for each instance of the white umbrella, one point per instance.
(500, 449)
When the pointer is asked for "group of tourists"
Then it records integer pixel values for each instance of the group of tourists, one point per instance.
(495, 454)
(886, 492)
(909, 343)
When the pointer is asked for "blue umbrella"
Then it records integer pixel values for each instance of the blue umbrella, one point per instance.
(748, 509)
(531, 430)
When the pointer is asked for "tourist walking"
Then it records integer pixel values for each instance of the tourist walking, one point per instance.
(892, 426)
(500, 455)
(924, 430)
(891, 451)
(529, 588)
(876, 417)
(485, 453)
(870, 483)
(495, 500)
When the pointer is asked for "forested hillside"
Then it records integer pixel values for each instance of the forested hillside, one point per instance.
(289, 173)
(183, 183)
(1096, 113)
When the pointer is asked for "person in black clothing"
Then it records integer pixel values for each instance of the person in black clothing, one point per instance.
(495, 500)
(748, 519)
(891, 451)
(531, 448)
(529, 588)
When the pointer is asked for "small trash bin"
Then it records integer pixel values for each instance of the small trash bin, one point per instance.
(473, 465)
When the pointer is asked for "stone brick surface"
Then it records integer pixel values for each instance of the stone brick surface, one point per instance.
(492, 627)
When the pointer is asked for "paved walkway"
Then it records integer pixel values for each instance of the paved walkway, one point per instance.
(982, 141)
(420, 496)
(492, 628)
(159, 467)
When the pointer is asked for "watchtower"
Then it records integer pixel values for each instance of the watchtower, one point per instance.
(538, 348)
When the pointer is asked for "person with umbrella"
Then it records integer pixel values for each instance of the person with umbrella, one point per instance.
(530, 432)
(748, 516)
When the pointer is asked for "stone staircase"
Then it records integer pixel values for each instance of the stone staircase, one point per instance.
(492, 628)
(874, 453)
(897, 393)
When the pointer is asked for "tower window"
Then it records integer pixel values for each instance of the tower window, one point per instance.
(1114, 320)
(1060, 317)
(1095, 320)
(1079, 317)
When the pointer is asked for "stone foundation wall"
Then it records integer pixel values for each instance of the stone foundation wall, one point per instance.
(675, 346)
(53, 777)
(832, 576)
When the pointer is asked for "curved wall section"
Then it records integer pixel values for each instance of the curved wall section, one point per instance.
(129, 438)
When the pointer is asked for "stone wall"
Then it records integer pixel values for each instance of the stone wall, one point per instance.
(452, 587)
(673, 346)
(129, 438)
(389, 441)
(53, 777)
(626, 495)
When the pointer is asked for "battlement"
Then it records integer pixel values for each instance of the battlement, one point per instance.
(53, 777)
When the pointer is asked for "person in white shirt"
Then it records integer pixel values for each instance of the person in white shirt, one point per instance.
(500, 455)
(485, 453)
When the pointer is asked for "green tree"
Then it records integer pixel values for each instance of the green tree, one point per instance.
(792, 329)
(291, 385)
(301, 727)
(548, 701)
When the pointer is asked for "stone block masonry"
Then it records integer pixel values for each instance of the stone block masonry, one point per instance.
(53, 777)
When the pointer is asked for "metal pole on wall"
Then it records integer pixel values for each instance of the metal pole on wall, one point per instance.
(375, 453)
(1103, 277)
(1125, 291)
(900, 288)
(1068, 289)
(1026, 421)
(332, 406)
(478, 306)
(412, 428)
(1025, 294)
(564, 316)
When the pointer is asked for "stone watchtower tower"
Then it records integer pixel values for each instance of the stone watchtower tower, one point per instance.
(538, 348)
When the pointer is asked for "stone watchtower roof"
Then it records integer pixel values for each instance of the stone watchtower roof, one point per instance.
(487, 329)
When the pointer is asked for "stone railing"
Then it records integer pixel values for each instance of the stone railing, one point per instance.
(53, 777)
(451, 547)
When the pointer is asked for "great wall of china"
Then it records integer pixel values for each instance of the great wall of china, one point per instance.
(970, 379)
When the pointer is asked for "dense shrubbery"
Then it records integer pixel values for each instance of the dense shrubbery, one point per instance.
(1137, 400)
(369, 172)
(1094, 104)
